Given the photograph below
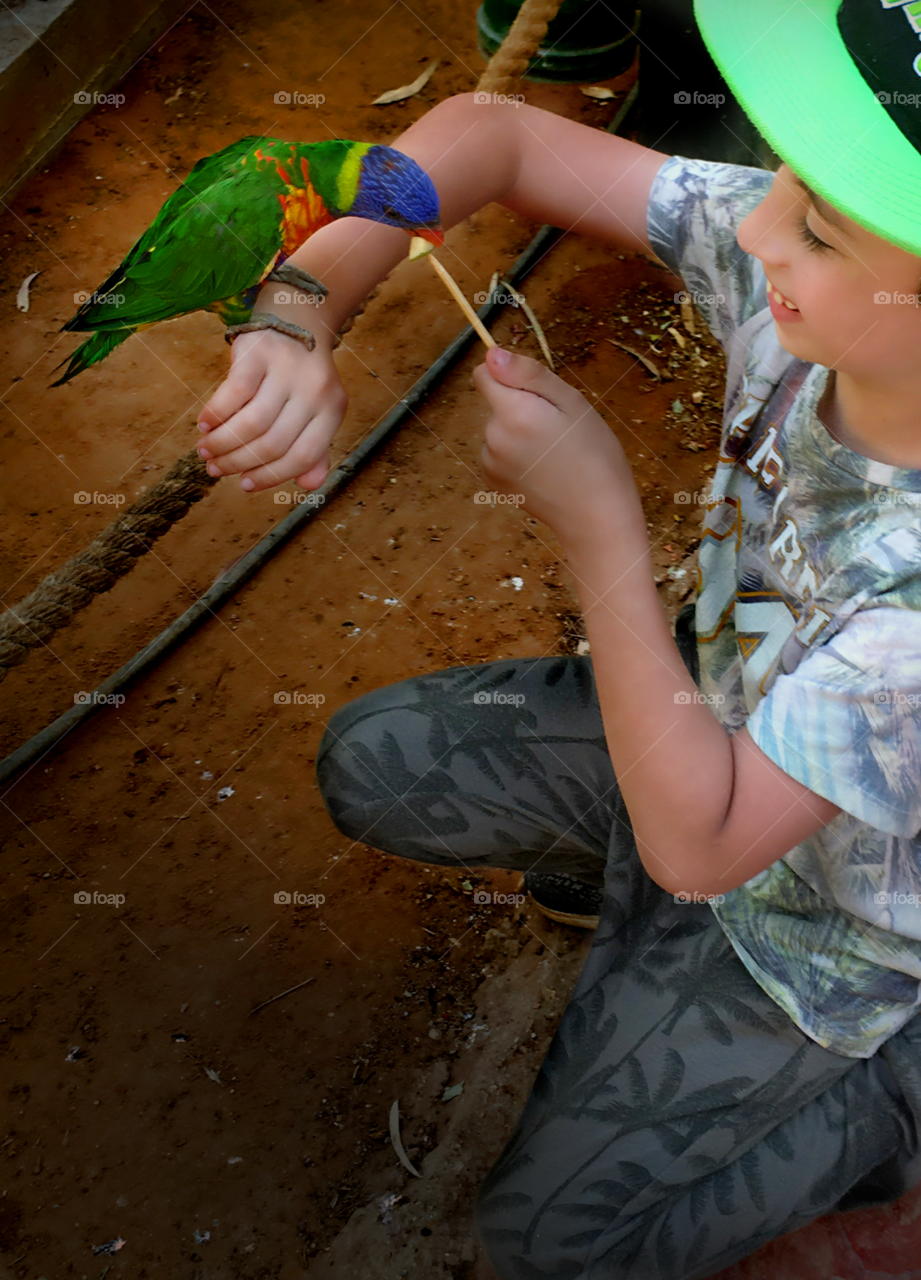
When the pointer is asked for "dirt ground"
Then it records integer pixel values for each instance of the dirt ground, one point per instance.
(146, 1099)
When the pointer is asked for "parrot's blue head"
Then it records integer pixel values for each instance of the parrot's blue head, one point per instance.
(393, 189)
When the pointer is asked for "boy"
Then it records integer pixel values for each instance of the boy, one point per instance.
(742, 1052)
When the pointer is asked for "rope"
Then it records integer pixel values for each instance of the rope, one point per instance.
(111, 554)
(116, 550)
(510, 61)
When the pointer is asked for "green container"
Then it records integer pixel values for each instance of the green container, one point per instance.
(588, 40)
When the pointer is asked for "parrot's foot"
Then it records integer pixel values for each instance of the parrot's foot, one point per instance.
(288, 273)
(265, 320)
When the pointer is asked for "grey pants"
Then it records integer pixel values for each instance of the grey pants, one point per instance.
(680, 1119)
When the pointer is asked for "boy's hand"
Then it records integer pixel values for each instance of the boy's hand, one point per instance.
(275, 413)
(545, 441)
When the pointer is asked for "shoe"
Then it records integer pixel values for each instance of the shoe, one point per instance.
(564, 898)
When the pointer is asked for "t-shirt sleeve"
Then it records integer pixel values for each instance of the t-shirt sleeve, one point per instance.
(694, 210)
(846, 723)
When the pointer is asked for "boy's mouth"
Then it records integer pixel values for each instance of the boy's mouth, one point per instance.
(781, 307)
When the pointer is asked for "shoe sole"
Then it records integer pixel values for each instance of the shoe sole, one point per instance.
(565, 917)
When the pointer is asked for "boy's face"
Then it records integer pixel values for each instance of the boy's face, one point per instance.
(838, 276)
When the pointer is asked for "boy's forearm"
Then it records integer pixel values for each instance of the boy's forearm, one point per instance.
(471, 157)
(673, 760)
(541, 165)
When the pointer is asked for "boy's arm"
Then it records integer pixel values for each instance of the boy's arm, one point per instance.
(709, 810)
(280, 405)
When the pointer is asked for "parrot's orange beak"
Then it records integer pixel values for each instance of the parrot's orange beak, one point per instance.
(434, 235)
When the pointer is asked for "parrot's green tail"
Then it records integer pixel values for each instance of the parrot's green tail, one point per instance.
(96, 348)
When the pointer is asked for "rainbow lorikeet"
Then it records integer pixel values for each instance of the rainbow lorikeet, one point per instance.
(230, 226)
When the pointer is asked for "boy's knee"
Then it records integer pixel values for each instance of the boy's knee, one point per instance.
(348, 768)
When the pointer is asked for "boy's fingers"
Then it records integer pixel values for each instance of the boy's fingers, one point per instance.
(313, 478)
(239, 387)
(253, 420)
(509, 369)
(300, 460)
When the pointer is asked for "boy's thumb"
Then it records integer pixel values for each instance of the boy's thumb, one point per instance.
(513, 370)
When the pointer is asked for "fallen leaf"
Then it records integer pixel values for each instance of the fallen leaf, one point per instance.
(212, 1075)
(679, 338)
(453, 1092)
(647, 364)
(22, 297)
(687, 315)
(598, 92)
(397, 1143)
(406, 90)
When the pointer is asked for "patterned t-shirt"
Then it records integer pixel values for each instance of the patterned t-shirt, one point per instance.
(808, 620)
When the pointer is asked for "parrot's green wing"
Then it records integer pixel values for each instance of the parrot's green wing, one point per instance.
(213, 238)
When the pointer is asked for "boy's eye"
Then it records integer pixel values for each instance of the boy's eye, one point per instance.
(809, 237)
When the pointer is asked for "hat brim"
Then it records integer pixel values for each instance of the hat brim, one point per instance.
(789, 68)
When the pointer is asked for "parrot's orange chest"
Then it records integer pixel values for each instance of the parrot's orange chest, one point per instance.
(303, 213)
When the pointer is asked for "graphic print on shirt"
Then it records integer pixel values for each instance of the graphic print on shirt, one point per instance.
(764, 579)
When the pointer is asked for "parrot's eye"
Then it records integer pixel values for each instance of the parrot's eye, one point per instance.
(391, 212)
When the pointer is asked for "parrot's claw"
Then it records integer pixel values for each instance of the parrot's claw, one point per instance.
(287, 273)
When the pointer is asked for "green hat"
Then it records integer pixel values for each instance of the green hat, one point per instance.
(835, 88)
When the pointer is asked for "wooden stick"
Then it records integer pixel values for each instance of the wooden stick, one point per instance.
(279, 996)
(461, 301)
